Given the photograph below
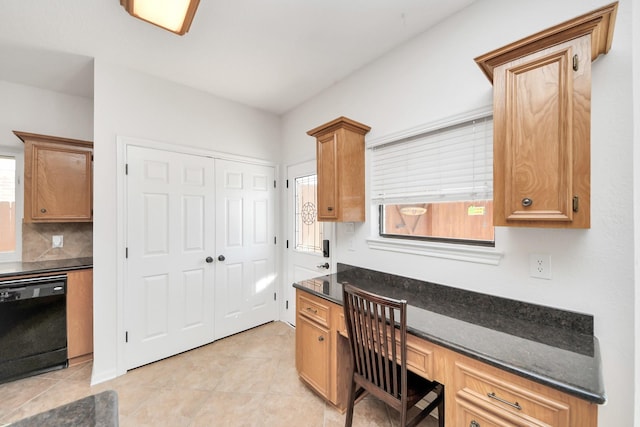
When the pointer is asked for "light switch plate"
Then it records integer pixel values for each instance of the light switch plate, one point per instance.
(57, 241)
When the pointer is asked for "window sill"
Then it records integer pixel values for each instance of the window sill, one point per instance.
(468, 253)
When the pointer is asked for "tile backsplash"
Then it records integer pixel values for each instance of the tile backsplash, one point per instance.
(37, 241)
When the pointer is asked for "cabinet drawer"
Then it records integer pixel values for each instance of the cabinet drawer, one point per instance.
(470, 415)
(419, 352)
(314, 309)
(420, 357)
(499, 395)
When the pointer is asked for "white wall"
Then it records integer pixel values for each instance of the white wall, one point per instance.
(29, 109)
(131, 104)
(434, 76)
(34, 110)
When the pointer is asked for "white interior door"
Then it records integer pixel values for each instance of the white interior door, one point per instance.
(245, 257)
(305, 257)
(169, 286)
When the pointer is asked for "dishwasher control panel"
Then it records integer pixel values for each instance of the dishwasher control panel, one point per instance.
(38, 287)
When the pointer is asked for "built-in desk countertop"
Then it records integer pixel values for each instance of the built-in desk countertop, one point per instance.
(553, 347)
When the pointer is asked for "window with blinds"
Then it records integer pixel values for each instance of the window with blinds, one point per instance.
(437, 185)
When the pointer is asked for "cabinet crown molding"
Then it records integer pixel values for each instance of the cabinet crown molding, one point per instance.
(340, 123)
(24, 136)
(598, 23)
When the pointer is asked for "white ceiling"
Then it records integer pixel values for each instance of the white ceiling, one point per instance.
(272, 55)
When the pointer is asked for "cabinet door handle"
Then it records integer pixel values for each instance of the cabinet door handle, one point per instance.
(329, 208)
(320, 338)
(526, 202)
(516, 405)
(43, 210)
(474, 423)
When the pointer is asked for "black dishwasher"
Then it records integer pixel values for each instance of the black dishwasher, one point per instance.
(33, 326)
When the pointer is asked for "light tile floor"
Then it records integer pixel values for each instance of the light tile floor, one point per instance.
(247, 379)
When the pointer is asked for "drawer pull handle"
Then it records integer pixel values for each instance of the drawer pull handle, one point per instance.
(516, 405)
(312, 310)
(474, 423)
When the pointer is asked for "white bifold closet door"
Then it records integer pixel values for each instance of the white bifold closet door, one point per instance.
(185, 212)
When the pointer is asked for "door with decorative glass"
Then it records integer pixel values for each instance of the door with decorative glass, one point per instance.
(306, 257)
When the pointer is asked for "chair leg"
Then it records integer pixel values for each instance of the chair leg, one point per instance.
(441, 409)
(403, 415)
(350, 403)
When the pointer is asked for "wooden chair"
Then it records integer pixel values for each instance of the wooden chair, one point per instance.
(377, 329)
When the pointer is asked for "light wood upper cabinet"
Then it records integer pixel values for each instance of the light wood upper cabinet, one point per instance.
(58, 179)
(340, 169)
(542, 122)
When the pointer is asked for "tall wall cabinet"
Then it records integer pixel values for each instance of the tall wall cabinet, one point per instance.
(542, 122)
(58, 179)
(340, 168)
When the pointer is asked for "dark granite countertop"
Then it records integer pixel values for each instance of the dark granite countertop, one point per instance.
(98, 410)
(8, 269)
(547, 345)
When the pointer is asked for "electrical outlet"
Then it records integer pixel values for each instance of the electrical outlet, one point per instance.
(57, 241)
(540, 266)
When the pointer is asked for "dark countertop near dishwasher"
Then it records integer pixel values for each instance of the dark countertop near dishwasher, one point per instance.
(9, 269)
(553, 347)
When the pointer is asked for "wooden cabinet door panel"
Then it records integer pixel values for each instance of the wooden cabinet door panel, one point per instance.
(61, 183)
(312, 354)
(79, 315)
(541, 102)
(327, 177)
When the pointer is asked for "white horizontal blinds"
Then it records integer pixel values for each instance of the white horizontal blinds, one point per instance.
(449, 164)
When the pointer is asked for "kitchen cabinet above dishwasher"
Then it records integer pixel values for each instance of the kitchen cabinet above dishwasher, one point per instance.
(58, 179)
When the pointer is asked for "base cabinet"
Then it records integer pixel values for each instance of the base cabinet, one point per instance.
(313, 357)
(476, 394)
(79, 316)
(322, 355)
(484, 396)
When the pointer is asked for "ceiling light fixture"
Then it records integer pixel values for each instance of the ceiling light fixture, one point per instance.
(172, 15)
